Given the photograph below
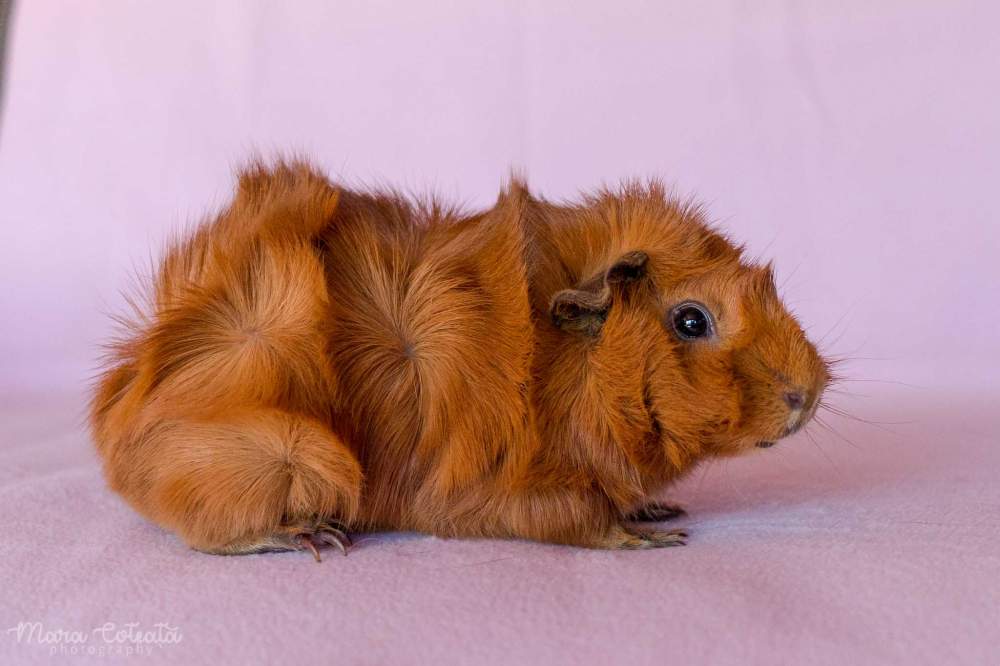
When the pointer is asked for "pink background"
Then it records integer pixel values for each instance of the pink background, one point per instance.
(855, 143)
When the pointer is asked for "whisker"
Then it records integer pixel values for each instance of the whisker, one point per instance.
(841, 380)
(704, 473)
(822, 344)
(822, 452)
(848, 394)
(823, 424)
(846, 359)
(847, 415)
(839, 321)
(789, 276)
(828, 349)
(727, 472)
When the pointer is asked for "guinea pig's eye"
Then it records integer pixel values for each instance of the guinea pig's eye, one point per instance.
(691, 321)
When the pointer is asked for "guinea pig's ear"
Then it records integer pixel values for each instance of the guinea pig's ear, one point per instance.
(580, 311)
(630, 267)
(585, 310)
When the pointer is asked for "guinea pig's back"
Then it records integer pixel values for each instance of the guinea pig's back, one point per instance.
(430, 341)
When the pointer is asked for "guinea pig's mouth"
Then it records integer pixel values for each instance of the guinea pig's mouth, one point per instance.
(764, 445)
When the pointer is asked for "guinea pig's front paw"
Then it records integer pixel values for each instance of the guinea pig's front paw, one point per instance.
(623, 538)
(656, 512)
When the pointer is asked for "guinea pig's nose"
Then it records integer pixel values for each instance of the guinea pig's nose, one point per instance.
(795, 399)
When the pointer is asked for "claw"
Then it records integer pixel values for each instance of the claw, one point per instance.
(657, 512)
(330, 537)
(667, 539)
(305, 542)
(337, 532)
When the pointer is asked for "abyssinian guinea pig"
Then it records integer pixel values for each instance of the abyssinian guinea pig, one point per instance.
(317, 360)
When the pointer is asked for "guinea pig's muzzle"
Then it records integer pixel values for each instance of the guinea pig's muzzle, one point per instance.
(801, 408)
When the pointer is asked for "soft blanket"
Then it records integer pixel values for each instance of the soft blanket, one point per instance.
(878, 544)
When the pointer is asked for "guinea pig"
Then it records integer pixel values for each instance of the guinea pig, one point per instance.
(317, 360)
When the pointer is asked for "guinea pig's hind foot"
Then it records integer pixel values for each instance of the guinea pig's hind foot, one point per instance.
(656, 512)
(310, 536)
(624, 538)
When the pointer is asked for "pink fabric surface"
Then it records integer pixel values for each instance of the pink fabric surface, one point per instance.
(855, 143)
(883, 551)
